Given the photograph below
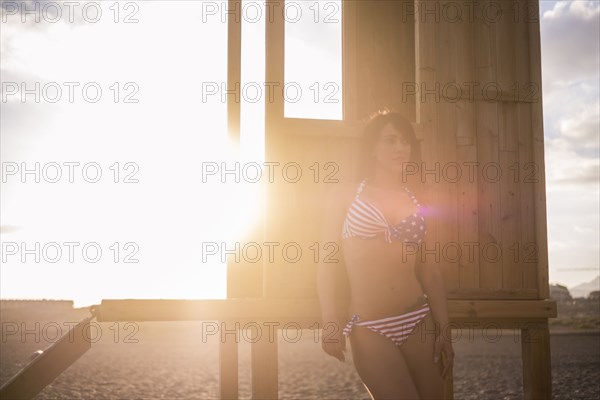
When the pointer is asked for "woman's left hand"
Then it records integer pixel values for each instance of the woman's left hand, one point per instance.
(443, 346)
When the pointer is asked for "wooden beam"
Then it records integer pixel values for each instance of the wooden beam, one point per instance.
(234, 68)
(304, 312)
(484, 91)
(539, 187)
(274, 65)
(40, 372)
(321, 128)
(274, 115)
(349, 61)
(492, 294)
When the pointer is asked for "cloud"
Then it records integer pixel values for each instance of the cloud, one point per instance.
(582, 9)
(582, 126)
(570, 40)
(570, 71)
(37, 17)
(42, 13)
(564, 164)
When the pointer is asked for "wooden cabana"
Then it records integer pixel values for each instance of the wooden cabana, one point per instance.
(472, 87)
(468, 75)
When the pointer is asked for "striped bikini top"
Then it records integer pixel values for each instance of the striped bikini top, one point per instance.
(365, 221)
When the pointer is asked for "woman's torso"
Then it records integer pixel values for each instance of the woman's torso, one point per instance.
(381, 266)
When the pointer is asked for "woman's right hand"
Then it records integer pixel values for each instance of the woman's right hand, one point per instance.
(333, 341)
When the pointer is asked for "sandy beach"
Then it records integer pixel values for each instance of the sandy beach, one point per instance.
(155, 360)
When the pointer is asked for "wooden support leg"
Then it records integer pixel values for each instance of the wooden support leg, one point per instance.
(228, 370)
(535, 347)
(264, 366)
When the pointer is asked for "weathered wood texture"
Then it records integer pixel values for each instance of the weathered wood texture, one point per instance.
(493, 56)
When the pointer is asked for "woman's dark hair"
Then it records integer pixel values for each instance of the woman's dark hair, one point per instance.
(372, 130)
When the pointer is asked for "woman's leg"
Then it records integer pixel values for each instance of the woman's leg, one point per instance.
(381, 366)
(418, 353)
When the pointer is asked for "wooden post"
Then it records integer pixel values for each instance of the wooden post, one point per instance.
(535, 348)
(234, 69)
(265, 381)
(228, 365)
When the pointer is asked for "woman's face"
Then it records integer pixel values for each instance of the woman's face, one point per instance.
(391, 150)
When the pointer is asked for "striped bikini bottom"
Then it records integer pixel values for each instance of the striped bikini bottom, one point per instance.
(397, 328)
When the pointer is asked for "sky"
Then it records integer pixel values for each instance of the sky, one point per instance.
(570, 72)
(151, 122)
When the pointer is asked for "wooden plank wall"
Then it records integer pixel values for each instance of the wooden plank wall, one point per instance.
(492, 127)
(384, 55)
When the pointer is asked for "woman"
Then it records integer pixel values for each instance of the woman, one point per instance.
(398, 302)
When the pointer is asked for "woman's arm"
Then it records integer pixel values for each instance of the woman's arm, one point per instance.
(433, 286)
(432, 282)
(427, 269)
